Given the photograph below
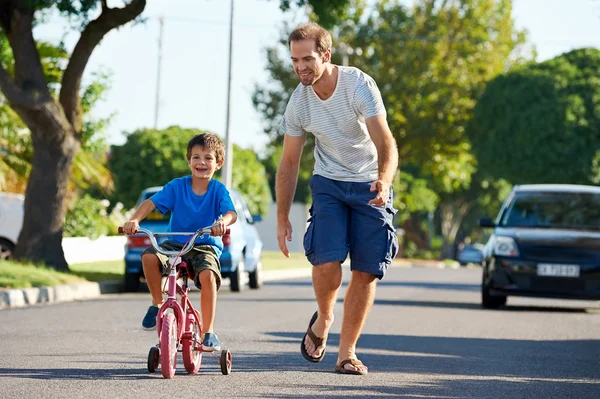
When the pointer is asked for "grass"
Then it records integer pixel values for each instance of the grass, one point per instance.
(17, 275)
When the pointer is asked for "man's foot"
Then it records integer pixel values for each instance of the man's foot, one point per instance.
(313, 343)
(149, 322)
(211, 343)
(351, 366)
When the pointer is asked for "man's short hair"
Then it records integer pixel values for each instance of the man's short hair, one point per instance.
(312, 31)
(209, 142)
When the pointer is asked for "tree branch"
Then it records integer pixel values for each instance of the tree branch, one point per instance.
(28, 88)
(91, 36)
(18, 97)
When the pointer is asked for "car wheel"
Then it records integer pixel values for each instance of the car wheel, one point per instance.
(255, 277)
(237, 276)
(132, 282)
(6, 249)
(487, 300)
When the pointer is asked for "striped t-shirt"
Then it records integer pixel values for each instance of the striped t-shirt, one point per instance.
(344, 150)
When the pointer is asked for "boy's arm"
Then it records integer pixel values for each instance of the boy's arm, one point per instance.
(221, 224)
(133, 224)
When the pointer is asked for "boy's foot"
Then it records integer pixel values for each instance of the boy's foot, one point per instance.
(211, 343)
(149, 322)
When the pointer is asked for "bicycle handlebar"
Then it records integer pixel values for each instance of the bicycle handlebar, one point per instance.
(187, 248)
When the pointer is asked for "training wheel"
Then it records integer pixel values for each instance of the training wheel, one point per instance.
(225, 362)
(153, 359)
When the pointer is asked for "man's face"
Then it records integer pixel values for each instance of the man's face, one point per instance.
(308, 63)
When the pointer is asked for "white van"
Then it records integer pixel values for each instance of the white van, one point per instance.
(11, 221)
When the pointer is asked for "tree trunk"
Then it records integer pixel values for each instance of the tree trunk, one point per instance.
(55, 147)
(452, 215)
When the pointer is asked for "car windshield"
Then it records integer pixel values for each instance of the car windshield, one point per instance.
(559, 210)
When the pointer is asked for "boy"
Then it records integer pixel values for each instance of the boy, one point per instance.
(195, 201)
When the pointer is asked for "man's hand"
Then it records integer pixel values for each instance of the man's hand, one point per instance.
(383, 193)
(284, 233)
(131, 226)
(219, 228)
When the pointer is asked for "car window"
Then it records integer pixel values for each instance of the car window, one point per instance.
(554, 210)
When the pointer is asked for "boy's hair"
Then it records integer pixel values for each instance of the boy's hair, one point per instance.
(312, 31)
(209, 142)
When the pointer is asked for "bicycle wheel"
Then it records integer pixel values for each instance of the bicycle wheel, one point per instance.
(168, 346)
(192, 357)
(153, 359)
(225, 362)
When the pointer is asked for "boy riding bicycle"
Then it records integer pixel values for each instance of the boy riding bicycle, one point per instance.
(195, 201)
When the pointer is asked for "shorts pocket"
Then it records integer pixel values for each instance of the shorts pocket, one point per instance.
(392, 244)
(308, 238)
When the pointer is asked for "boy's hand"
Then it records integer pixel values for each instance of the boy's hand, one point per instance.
(131, 226)
(219, 228)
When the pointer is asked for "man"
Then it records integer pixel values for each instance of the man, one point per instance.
(355, 161)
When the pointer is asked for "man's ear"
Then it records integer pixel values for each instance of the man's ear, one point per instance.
(327, 56)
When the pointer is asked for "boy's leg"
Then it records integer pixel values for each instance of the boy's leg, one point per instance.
(153, 263)
(208, 299)
(208, 279)
(153, 275)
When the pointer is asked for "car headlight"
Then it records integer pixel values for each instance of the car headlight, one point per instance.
(505, 246)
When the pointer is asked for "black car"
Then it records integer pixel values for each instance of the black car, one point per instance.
(546, 243)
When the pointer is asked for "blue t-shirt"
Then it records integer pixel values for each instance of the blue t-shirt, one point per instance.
(190, 212)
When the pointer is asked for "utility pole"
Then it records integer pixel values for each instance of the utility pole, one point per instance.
(227, 169)
(157, 100)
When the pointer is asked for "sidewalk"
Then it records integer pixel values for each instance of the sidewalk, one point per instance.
(24, 297)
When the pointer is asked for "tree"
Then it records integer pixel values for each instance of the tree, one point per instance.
(152, 157)
(326, 12)
(55, 122)
(541, 123)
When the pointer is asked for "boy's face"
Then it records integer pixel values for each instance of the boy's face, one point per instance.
(203, 163)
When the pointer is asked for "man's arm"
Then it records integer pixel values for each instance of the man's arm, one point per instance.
(285, 187)
(387, 157)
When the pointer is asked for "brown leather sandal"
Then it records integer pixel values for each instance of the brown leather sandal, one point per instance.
(339, 368)
(318, 341)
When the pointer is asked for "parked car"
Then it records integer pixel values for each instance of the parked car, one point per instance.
(545, 243)
(242, 248)
(470, 253)
(11, 222)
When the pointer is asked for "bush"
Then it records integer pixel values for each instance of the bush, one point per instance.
(88, 218)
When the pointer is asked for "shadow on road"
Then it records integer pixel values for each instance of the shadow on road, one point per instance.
(77, 374)
(415, 284)
(520, 368)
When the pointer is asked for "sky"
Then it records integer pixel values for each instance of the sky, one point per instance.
(195, 58)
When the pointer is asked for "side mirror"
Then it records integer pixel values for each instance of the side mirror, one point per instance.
(256, 218)
(486, 222)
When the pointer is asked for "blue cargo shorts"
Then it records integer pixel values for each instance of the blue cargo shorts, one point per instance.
(342, 221)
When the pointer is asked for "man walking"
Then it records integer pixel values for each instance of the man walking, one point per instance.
(355, 161)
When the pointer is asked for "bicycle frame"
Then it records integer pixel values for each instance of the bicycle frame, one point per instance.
(180, 310)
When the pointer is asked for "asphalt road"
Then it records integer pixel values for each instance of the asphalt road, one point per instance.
(427, 337)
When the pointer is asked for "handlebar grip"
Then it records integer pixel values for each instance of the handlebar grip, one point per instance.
(228, 231)
(121, 231)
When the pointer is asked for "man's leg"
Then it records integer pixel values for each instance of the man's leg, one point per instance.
(357, 304)
(153, 276)
(327, 279)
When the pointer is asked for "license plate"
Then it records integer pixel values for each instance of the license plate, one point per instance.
(557, 270)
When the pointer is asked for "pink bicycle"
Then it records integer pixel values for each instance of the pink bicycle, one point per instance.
(178, 323)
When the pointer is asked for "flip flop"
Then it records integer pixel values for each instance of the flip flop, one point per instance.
(316, 340)
(339, 368)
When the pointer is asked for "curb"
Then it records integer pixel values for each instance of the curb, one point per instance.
(24, 297)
